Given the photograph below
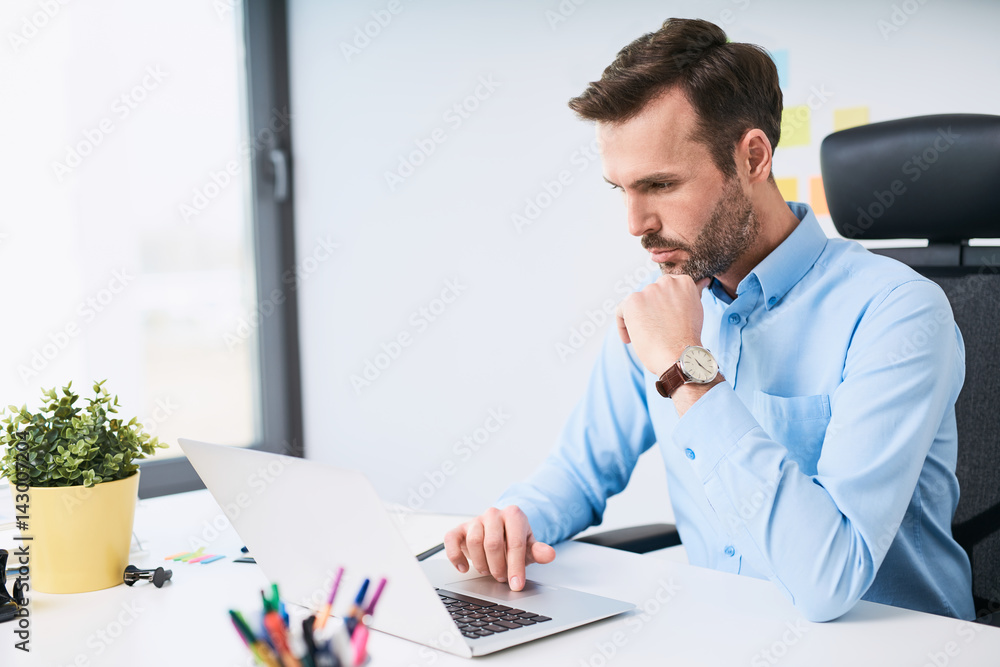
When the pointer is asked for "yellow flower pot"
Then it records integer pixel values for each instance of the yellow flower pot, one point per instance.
(80, 536)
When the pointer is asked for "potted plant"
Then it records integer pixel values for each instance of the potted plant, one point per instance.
(74, 480)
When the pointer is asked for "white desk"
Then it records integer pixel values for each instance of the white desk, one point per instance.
(695, 616)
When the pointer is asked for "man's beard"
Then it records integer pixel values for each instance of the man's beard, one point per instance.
(731, 231)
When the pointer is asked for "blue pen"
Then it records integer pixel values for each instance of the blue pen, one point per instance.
(356, 610)
(359, 599)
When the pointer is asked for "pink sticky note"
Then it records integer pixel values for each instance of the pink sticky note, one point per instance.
(211, 559)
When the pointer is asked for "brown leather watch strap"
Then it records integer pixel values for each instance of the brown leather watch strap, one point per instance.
(671, 379)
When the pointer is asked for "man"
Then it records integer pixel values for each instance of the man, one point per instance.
(821, 453)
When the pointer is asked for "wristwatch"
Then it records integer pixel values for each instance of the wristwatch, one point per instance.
(696, 366)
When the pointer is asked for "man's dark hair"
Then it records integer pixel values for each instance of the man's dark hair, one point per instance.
(733, 87)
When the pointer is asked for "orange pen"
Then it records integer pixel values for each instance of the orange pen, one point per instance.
(279, 638)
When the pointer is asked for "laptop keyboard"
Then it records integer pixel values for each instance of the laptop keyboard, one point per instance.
(477, 618)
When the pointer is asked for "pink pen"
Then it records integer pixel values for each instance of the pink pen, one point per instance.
(359, 643)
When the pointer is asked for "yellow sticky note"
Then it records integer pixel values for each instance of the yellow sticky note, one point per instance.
(789, 188)
(795, 126)
(817, 196)
(852, 117)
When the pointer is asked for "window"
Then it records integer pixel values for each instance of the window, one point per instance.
(144, 220)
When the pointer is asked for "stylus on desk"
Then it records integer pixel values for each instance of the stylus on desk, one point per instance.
(430, 552)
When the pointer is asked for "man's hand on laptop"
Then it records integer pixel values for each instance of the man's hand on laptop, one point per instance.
(499, 543)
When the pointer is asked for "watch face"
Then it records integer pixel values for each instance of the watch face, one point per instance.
(699, 364)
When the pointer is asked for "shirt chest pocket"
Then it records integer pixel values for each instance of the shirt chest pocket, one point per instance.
(797, 422)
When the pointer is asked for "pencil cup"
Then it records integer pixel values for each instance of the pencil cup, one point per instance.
(335, 638)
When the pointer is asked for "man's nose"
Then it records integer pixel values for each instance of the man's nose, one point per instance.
(641, 218)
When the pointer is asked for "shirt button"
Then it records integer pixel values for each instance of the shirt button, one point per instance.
(773, 300)
(689, 453)
(734, 319)
(730, 551)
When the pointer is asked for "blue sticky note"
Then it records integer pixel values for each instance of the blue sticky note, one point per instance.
(211, 560)
(780, 59)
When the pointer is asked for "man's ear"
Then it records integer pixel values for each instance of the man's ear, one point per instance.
(754, 156)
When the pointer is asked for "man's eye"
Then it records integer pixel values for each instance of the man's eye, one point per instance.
(660, 186)
(615, 187)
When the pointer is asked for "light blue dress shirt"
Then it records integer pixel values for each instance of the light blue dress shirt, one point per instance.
(825, 462)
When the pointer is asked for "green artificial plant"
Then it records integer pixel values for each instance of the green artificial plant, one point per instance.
(70, 445)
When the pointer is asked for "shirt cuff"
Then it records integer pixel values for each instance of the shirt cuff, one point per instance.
(712, 427)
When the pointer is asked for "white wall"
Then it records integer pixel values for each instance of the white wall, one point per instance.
(524, 291)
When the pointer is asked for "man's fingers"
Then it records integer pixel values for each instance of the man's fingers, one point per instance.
(622, 329)
(499, 543)
(542, 552)
(494, 544)
(517, 530)
(703, 283)
(474, 535)
(453, 541)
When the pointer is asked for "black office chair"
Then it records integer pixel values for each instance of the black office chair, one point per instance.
(934, 178)
(938, 178)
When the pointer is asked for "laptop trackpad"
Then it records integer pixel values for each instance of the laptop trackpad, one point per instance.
(491, 588)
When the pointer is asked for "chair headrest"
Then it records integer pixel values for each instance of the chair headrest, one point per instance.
(929, 177)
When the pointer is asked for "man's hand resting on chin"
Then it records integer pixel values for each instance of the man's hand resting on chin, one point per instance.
(499, 543)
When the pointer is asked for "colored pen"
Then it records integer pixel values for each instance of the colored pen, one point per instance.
(325, 612)
(378, 593)
(307, 635)
(356, 608)
(359, 600)
(275, 598)
(243, 630)
(245, 635)
(274, 603)
(359, 643)
(260, 650)
(279, 638)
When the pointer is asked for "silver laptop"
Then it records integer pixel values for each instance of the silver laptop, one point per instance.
(301, 520)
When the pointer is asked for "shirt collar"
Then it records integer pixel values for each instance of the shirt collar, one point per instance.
(784, 267)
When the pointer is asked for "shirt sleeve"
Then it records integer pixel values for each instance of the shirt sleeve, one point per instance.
(822, 538)
(596, 452)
